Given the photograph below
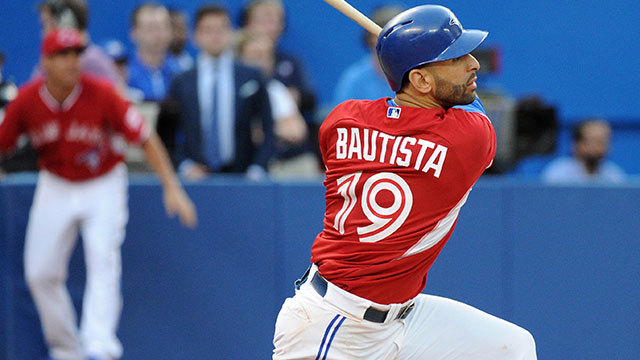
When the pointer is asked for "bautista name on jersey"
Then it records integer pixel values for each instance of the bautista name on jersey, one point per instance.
(406, 151)
(396, 180)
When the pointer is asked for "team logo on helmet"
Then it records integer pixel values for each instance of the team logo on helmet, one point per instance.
(455, 22)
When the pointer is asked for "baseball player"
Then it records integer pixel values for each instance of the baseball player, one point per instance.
(398, 172)
(80, 126)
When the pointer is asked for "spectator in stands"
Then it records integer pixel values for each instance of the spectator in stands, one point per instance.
(118, 52)
(591, 140)
(268, 17)
(179, 39)
(207, 117)
(150, 69)
(257, 49)
(75, 14)
(25, 158)
(8, 89)
(364, 79)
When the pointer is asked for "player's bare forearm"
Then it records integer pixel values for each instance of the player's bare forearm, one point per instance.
(158, 159)
(175, 198)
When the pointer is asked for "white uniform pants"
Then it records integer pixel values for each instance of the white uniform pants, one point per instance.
(332, 328)
(98, 208)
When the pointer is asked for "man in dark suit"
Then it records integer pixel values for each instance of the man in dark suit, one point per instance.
(211, 114)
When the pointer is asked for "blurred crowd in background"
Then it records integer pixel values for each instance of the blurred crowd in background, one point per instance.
(225, 98)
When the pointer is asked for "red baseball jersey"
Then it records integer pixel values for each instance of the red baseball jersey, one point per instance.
(79, 139)
(396, 179)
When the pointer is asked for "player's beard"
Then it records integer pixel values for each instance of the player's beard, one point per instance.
(592, 162)
(450, 94)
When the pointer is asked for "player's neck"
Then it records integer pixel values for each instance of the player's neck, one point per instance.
(406, 98)
(59, 92)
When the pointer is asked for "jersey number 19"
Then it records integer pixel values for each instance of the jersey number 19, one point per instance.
(385, 219)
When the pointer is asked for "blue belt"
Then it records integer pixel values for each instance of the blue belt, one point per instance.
(371, 314)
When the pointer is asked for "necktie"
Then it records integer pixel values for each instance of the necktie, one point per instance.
(212, 144)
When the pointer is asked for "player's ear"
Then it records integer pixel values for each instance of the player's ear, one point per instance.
(421, 79)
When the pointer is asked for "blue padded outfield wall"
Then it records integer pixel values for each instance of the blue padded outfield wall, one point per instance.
(563, 262)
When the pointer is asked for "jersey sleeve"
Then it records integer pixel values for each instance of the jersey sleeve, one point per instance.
(490, 138)
(493, 143)
(126, 119)
(484, 145)
(10, 126)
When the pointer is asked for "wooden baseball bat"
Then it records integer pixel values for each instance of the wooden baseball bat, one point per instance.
(355, 15)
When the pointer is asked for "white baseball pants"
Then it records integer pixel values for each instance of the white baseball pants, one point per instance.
(98, 208)
(332, 327)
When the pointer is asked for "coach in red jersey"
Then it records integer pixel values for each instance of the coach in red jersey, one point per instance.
(398, 172)
(80, 127)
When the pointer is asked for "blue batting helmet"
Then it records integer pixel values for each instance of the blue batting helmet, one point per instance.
(421, 35)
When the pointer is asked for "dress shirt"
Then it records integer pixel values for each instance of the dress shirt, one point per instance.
(218, 72)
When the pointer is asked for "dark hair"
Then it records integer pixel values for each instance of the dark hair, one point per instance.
(140, 7)
(68, 13)
(210, 9)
